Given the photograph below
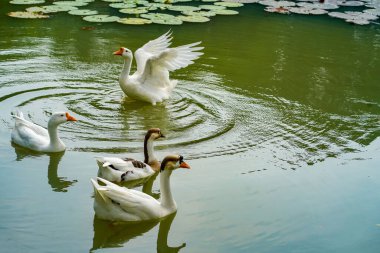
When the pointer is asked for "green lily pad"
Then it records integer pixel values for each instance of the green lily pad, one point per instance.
(165, 1)
(210, 1)
(229, 4)
(164, 19)
(101, 18)
(138, 10)
(199, 13)
(35, 9)
(26, 2)
(212, 7)
(140, 2)
(194, 19)
(70, 3)
(157, 5)
(26, 14)
(183, 8)
(83, 12)
(123, 5)
(226, 12)
(57, 8)
(134, 21)
(112, 1)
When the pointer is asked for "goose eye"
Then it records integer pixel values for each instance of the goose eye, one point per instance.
(62, 115)
(180, 159)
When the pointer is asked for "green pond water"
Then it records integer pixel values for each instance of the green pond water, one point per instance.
(279, 120)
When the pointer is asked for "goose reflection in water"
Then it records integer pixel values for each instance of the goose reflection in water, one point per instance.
(109, 234)
(58, 184)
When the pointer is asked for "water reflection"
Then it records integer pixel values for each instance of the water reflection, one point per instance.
(109, 234)
(58, 184)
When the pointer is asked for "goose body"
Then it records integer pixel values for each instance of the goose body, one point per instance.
(35, 137)
(117, 169)
(116, 203)
(151, 82)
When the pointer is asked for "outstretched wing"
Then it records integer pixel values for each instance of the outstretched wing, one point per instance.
(158, 66)
(152, 48)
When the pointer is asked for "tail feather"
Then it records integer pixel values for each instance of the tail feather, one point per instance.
(98, 190)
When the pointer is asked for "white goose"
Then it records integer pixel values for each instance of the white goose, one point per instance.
(116, 203)
(151, 83)
(117, 169)
(35, 137)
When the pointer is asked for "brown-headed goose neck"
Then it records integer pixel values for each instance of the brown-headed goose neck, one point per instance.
(173, 162)
(150, 137)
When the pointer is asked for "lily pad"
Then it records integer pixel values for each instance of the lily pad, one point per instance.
(350, 3)
(226, 12)
(194, 19)
(280, 10)
(83, 12)
(57, 8)
(164, 19)
(358, 21)
(26, 14)
(373, 11)
(229, 4)
(134, 21)
(138, 10)
(26, 2)
(122, 5)
(210, 1)
(212, 7)
(112, 1)
(101, 18)
(341, 15)
(183, 8)
(70, 3)
(199, 13)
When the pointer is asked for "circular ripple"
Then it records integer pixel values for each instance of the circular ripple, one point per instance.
(202, 119)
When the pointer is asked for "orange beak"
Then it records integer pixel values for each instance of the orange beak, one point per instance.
(184, 165)
(118, 52)
(69, 117)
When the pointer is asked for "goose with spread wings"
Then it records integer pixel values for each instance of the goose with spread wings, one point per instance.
(151, 82)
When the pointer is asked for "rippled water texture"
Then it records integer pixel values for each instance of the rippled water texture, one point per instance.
(271, 93)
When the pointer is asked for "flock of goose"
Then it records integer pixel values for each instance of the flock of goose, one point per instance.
(150, 83)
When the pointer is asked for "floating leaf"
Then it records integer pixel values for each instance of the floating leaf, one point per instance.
(101, 18)
(280, 10)
(164, 19)
(226, 12)
(183, 8)
(194, 19)
(358, 21)
(199, 13)
(57, 8)
(373, 11)
(112, 1)
(83, 12)
(26, 2)
(350, 3)
(138, 10)
(26, 14)
(70, 3)
(35, 9)
(318, 12)
(212, 7)
(339, 15)
(134, 21)
(210, 0)
(123, 5)
(229, 4)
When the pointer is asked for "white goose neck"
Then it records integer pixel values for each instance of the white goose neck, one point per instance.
(149, 152)
(167, 200)
(55, 141)
(126, 69)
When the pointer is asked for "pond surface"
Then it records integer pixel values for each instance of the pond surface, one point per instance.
(279, 120)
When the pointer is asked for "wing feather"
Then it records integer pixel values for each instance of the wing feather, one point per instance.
(171, 59)
(152, 48)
